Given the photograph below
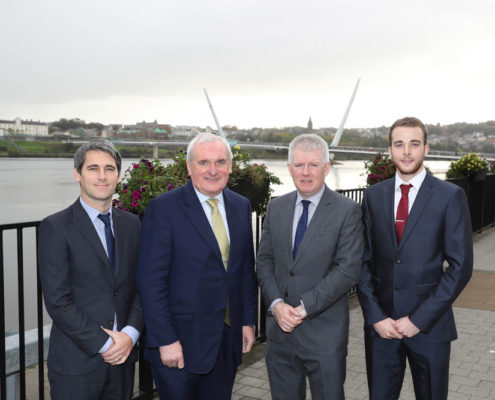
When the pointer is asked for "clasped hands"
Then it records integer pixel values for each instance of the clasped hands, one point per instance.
(288, 317)
(391, 329)
(119, 349)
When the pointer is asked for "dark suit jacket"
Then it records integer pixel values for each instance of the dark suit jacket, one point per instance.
(410, 279)
(326, 266)
(79, 289)
(182, 282)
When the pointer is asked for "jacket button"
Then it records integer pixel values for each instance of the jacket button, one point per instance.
(397, 261)
(396, 287)
(286, 294)
(291, 273)
(110, 322)
(114, 294)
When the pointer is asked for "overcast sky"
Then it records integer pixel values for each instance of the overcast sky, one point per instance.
(270, 63)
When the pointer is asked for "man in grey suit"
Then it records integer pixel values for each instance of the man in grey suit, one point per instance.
(309, 257)
(88, 258)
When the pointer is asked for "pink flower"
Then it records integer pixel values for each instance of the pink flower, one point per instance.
(134, 203)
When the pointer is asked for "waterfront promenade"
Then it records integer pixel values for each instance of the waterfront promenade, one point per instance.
(472, 365)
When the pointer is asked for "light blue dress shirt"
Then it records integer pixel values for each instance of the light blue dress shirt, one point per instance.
(100, 230)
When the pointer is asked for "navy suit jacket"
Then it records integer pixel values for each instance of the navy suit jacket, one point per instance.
(79, 289)
(182, 282)
(422, 276)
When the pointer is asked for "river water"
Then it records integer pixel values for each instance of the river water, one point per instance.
(33, 188)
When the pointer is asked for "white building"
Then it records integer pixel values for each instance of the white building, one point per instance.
(185, 131)
(26, 127)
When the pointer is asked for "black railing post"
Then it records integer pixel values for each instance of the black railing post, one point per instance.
(41, 341)
(3, 363)
(22, 329)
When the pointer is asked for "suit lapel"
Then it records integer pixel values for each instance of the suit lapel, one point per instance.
(388, 198)
(85, 226)
(233, 221)
(195, 213)
(422, 198)
(286, 222)
(119, 233)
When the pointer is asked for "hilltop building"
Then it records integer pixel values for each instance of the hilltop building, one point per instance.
(310, 125)
(25, 127)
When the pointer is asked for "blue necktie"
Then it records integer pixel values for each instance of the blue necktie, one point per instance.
(109, 239)
(301, 227)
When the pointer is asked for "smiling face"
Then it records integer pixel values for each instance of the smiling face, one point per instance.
(308, 171)
(408, 151)
(98, 179)
(210, 167)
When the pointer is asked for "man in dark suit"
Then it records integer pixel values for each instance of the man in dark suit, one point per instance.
(418, 257)
(308, 259)
(196, 279)
(88, 257)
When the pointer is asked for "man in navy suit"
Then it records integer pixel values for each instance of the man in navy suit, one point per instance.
(196, 279)
(418, 257)
(88, 256)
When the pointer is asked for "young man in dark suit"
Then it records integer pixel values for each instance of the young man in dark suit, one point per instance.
(418, 257)
(196, 279)
(88, 257)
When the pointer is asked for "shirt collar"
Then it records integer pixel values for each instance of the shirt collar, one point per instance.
(415, 182)
(93, 212)
(315, 199)
(202, 197)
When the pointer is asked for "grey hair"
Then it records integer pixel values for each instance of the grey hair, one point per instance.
(309, 142)
(96, 145)
(206, 137)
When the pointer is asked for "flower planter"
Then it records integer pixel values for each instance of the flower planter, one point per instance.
(256, 195)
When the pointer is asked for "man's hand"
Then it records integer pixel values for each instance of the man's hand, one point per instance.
(302, 312)
(406, 328)
(247, 338)
(287, 317)
(119, 349)
(387, 330)
(171, 355)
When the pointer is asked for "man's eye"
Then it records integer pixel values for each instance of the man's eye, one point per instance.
(203, 163)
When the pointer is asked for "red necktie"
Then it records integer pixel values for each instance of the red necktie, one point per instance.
(402, 211)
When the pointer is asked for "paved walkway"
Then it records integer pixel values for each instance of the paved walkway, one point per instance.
(472, 365)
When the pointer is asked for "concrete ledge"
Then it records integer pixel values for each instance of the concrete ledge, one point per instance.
(31, 350)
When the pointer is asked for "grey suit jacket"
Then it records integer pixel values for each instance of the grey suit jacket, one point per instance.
(327, 265)
(79, 289)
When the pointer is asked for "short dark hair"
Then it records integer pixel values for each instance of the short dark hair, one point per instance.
(96, 145)
(411, 122)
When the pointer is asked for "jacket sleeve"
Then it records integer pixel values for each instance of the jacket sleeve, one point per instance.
(458, 251)
(265, 263)
(249, 288)
(135, 314)
(372, 311)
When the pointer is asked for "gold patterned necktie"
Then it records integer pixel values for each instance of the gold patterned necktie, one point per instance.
(220, 231)
(223, 243)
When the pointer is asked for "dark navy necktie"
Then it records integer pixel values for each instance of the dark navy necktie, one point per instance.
(109, 239)
(301, 227)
